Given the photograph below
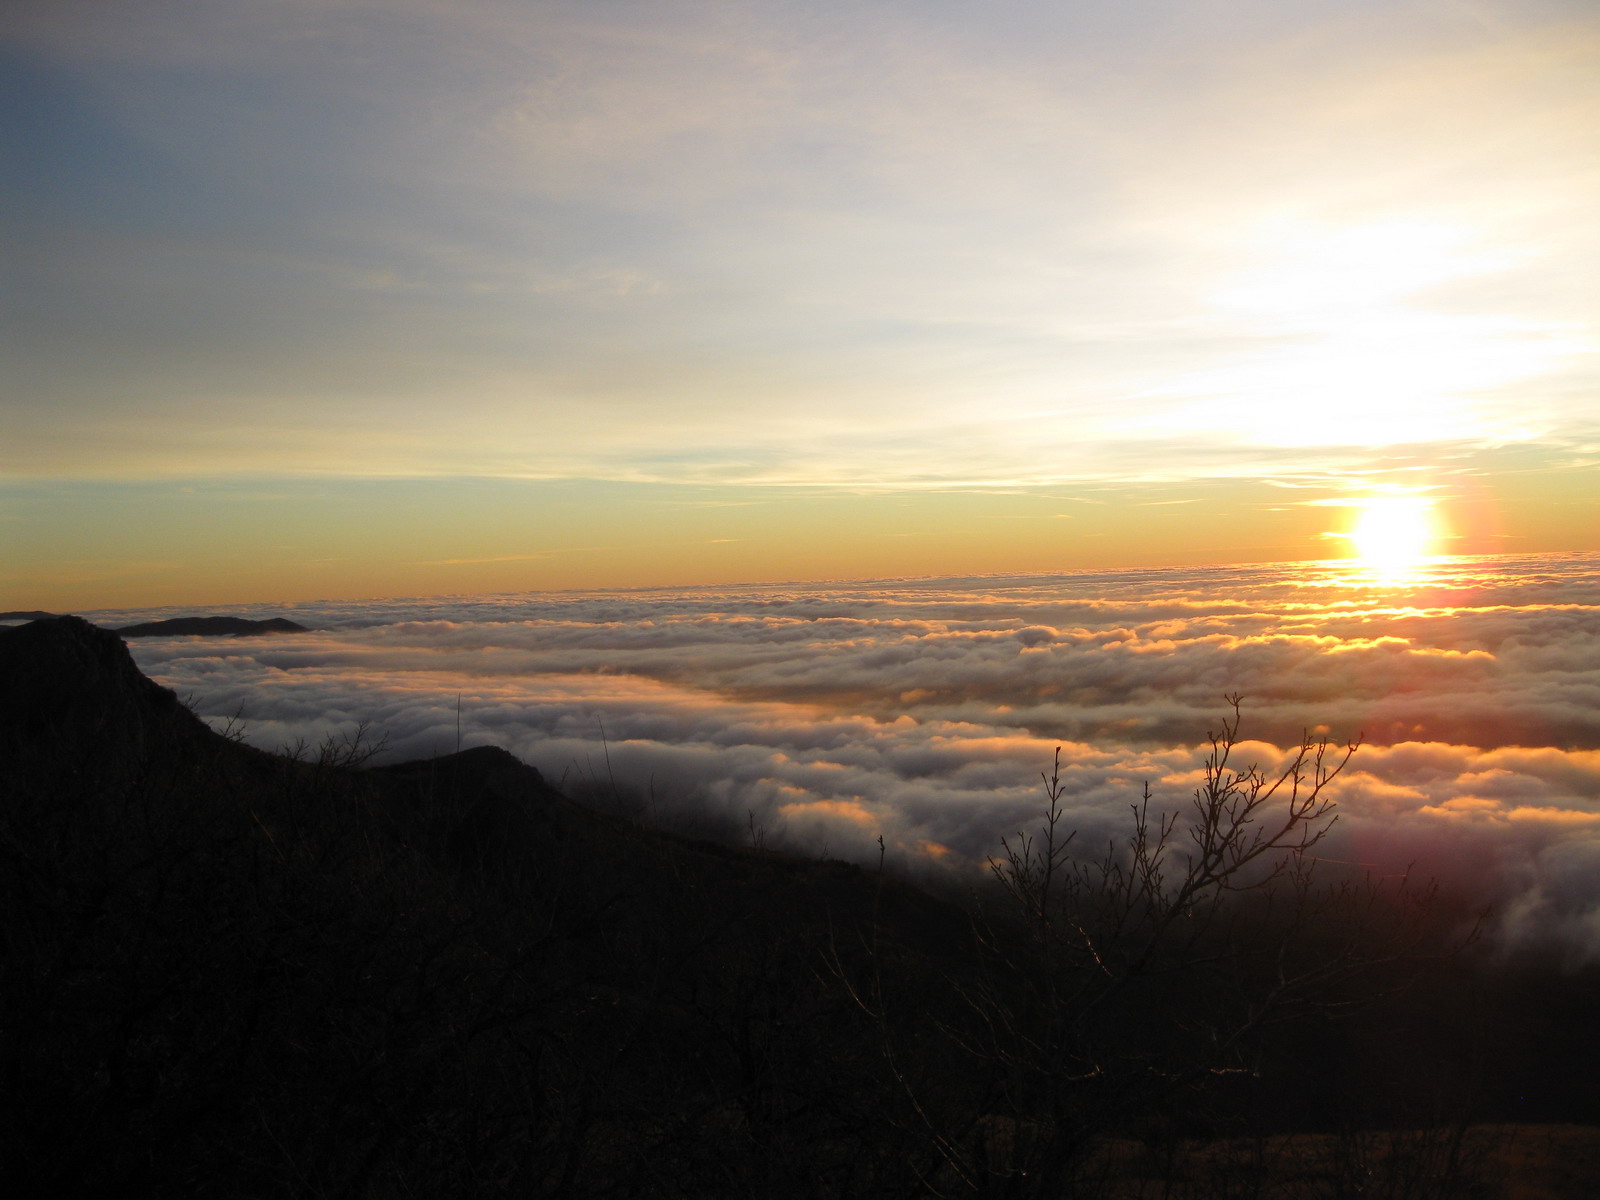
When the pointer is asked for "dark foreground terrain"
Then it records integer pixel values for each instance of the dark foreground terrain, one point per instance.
(224, 972)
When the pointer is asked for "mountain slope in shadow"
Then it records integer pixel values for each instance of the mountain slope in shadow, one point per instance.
(285, 975)
(225, 971)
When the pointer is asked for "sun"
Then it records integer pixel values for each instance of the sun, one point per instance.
(1393, 533)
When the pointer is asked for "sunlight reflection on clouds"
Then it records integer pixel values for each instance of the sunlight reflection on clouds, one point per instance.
(924, 710)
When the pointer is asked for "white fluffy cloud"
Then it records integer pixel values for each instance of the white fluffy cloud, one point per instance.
(924, 711)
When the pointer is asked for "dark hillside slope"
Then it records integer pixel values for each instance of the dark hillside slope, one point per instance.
(232, 972)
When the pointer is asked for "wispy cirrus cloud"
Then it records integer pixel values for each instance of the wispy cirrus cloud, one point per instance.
(466, 562)
(573, 240)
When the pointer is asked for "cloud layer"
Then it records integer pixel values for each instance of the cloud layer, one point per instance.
(924, 710)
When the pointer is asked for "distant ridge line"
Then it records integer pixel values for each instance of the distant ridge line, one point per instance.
(226, 626)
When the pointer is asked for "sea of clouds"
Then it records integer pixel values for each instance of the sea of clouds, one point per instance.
(823, 716)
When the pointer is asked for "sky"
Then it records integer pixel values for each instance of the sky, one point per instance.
(824, 717)
(345, 298)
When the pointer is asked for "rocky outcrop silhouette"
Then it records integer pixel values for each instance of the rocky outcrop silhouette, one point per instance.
(70, 690)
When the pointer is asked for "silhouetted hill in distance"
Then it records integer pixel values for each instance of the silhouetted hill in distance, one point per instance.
(224, 971)
(182, 626)
(212, 627)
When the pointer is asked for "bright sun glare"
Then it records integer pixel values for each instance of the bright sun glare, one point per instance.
(1393, 533)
